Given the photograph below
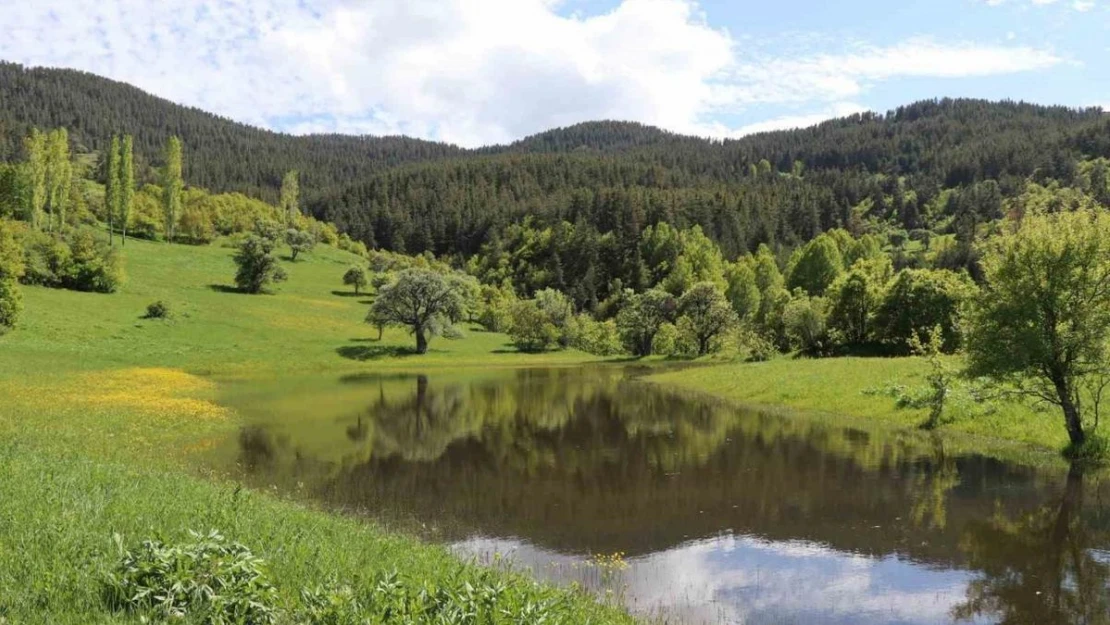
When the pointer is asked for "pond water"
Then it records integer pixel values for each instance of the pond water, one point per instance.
(683, 507)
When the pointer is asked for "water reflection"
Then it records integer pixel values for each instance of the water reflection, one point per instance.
(725, 515)
(1038, 566)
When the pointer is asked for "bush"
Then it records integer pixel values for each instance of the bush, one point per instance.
(665, 341)
(258, 267)
(74, 259)
(157, 310)
(530, 328)
(599, 338)
(919, 300)
(805, 322)
(209, 580)
(753, 346)
(11, 304)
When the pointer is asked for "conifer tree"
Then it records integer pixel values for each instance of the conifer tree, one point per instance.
(172, 186)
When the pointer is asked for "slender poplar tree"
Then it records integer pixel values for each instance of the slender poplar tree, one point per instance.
(34, 184)
(111, 186)
(59, 176)
(126, 185)
(290, 189)
(172, 186)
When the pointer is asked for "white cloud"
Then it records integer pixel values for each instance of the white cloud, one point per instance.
(1079, 5)
(467, 71)
(741, 579)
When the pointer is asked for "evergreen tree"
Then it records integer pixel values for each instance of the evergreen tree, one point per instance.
(172, 185)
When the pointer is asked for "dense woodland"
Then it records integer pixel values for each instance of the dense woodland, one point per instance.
(862, 172)
(874, 233)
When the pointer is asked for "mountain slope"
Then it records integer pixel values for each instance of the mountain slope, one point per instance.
(401, 193)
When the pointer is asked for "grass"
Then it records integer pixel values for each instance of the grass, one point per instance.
(61, 513)
(103, 409)
(853, 390)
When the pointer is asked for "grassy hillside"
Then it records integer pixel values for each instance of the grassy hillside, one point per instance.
(103, 408)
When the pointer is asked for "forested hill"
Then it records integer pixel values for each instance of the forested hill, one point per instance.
(222, 155)
(778, 187)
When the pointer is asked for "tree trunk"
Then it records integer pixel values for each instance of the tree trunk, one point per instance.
(1072, 419)
(421, 340)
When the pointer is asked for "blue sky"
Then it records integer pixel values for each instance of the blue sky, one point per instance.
(476, 72)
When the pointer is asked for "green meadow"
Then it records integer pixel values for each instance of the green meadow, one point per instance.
(104, 410)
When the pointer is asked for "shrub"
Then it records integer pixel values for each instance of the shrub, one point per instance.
(208, 580)
(258, 267)
(74, 259)
(753, 346)
(158, 310)
(805, 322)
(530, 328)
(665, 340)
(599, 338)
(919, 300)
(11, 304)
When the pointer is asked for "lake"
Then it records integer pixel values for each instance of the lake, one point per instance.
(683, 507)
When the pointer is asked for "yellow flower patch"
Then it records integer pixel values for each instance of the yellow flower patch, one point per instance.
(155, 391)
(151, 390)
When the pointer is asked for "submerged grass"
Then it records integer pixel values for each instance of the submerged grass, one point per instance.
(857, 391)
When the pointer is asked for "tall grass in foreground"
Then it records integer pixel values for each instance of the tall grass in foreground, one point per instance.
(60, 515)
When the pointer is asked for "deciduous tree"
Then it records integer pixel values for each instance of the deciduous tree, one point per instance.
(355, 277)
(421, 300)
(1042, 320)
(172, 186)
(258, 267)
(708, 313)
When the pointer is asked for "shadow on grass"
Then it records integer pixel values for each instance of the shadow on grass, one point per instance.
(224, 288)
(362, 353)
(348, 294)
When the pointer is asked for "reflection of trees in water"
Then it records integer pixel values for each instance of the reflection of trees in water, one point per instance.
(931, 489)
(1038, 568)
(590, 461)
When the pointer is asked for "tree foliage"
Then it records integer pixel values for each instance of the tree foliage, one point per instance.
(1042, 321)
(422, 300)
(355, 277)
(172, 187)
(707, 314)
(258, 267)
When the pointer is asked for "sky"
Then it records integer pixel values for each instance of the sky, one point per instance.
(480, 72)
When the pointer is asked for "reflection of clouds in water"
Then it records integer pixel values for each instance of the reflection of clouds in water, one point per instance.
(749, 580)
